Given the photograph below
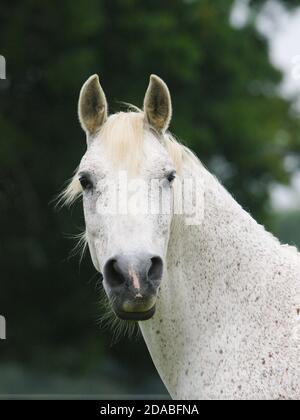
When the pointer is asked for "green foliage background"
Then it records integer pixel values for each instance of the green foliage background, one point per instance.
(226, 108)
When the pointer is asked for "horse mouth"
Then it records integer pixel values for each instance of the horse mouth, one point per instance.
(135, 316)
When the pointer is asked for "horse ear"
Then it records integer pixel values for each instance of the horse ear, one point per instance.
(92, 106)
(157, 104)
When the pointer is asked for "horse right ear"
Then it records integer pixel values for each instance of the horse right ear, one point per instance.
(157, 104)
(92, 106)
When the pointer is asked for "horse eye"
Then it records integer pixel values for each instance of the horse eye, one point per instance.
(85, 182)
(171, 176)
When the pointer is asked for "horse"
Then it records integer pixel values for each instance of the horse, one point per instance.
(216, 296)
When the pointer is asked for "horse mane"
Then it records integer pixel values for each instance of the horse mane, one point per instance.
(122, 134)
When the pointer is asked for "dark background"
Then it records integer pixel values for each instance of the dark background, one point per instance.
(226, 108)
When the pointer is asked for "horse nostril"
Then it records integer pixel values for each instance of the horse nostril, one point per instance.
(156, 269)
(135, 272)
(113, 273)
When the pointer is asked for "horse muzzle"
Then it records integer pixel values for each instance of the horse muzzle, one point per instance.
(131, 283)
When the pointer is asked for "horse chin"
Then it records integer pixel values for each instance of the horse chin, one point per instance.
(135, 316)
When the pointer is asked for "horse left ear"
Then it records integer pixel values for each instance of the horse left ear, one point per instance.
(92, 106)
(157, 104)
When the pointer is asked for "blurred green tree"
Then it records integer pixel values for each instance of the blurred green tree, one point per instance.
(286, 226)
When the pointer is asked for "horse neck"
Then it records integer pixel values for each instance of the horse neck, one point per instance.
(228, 240)
(207, 274)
